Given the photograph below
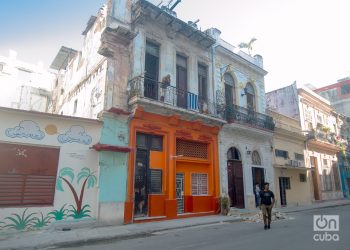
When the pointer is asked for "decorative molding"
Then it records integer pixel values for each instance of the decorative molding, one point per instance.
(183, 134)
(151, 126)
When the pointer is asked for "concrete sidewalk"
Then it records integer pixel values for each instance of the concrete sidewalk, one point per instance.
(315, 205)
(52, 238)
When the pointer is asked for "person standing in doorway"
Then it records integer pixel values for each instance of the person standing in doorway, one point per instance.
(257, 195)
(267, 200)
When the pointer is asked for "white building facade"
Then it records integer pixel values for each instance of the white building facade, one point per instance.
(24, 85)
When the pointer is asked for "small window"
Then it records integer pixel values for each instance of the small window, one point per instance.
(256, 158)
(149, 142)
(141, 140)
(325, 162)
(345, 89)
(299, 157)
(156, 143)
(285, 181)
(155, 176)
(199, 184)
(302, 177)
(281, 153)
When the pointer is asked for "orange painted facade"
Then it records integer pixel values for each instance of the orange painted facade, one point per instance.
(172, 128)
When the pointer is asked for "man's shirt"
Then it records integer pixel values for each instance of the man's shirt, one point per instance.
(266, 197)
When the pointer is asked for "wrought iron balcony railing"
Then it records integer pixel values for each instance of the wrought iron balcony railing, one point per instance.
(328, 137)
(148, 88)
(237, 114)
(144, 87)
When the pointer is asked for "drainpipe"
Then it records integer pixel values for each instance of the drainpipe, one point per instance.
(213, 73)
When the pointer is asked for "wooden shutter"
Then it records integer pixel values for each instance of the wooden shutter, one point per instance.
(27, 174)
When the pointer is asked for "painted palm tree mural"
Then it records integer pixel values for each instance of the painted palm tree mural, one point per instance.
(88, 180)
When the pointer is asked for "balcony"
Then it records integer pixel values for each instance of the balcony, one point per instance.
(237, 114)
(143, 88)
(331, 140)
(160, 95)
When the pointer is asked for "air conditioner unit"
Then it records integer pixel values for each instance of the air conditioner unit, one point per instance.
(301, 164)
(293, 163)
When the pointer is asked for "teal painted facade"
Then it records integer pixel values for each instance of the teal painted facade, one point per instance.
(344, 169)
(113, 165)
(113, 176)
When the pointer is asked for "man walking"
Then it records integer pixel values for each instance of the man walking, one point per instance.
(267, 200)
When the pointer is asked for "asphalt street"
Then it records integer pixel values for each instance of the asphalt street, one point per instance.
(294, 234)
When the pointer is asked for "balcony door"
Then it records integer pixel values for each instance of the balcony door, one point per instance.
(181, 81)
(152, 71)
(250, 92)
(315, 177)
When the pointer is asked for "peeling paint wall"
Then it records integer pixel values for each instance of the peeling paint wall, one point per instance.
(242, 74)
(170, 46)
(284, 101)
(82, 91)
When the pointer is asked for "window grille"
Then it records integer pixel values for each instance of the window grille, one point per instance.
(191, 149)
(199, 184)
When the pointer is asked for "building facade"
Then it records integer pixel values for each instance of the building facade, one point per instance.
(178, 86)
(322, 125)
(245, 139)
(339, 96)
(293, 180)
(28, 86)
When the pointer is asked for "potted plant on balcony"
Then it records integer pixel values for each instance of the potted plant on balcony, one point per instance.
(325, 129)
(203, 106)
(164, 85)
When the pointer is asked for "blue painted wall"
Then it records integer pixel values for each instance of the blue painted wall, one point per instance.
(344, 175)
(113, 165)
(113, 176)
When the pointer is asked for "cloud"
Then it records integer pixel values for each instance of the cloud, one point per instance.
(75, 134)
(26, 129)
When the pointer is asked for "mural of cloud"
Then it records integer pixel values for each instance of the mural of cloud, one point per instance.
(26, 129)
(76, 134)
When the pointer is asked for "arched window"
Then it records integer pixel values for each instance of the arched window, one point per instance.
(230, 95)
(256, 158)
(233, 154)
(250, 92)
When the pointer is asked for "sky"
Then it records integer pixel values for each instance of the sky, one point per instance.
(306, 41)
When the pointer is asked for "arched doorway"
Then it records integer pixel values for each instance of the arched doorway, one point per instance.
(258, 174)
(235, 178)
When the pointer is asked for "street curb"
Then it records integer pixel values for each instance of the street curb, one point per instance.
(146, 233)
(314, 208)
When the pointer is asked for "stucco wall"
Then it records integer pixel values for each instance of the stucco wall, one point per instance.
(73, 137)
(244, 140)
(113, 170)
(169, 47)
